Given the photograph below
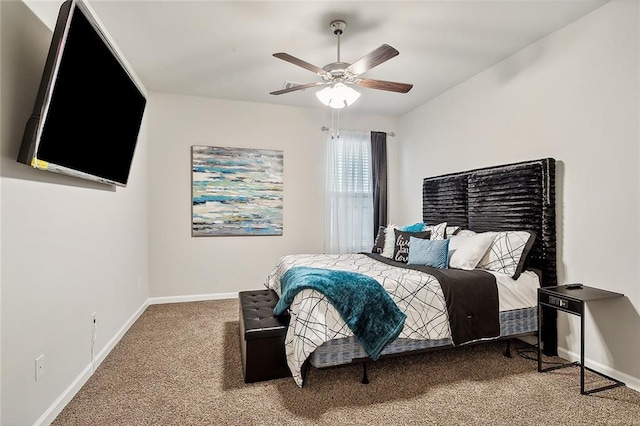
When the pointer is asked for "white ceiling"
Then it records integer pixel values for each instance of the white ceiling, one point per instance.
(224, 49)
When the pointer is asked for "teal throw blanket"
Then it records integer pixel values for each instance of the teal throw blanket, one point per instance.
(363, 303)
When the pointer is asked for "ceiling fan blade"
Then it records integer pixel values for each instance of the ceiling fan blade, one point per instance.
(390, 86)
(298, 87)
(372, 59)
(301, 63)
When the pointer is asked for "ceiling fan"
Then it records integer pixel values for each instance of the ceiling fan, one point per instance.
(338, 76)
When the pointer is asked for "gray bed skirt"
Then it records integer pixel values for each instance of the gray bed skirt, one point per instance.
(345, 350)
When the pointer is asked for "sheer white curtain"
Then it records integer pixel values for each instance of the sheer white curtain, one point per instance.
(349, 193)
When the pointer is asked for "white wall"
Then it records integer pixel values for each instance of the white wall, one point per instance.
(183, 265)
(69, 247)
(573, 96)
(1, 121)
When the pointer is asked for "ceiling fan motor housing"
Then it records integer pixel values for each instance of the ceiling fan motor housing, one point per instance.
(336, 69)
(338, 26)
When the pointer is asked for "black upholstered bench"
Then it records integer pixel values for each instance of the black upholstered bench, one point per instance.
(262, 337)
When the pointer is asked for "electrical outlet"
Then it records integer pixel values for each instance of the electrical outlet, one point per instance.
(94, 333)
(39, 367)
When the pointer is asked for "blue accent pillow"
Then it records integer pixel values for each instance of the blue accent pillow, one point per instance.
(416, 227)
(434, 253)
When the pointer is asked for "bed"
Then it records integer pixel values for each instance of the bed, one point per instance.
(513, 197)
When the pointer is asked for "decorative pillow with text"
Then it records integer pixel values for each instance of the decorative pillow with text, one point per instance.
(402, 242)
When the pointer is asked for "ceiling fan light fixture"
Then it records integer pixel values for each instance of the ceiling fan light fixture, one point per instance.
(337, 96)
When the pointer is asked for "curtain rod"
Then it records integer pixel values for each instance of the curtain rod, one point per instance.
(325, 128)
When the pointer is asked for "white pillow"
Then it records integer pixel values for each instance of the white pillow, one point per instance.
(389, 241)
(438, 232)
(466, 252)
(466, 233)
(508, 252)
(451, 231)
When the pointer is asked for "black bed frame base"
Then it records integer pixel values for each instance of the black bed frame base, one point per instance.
(365, 361)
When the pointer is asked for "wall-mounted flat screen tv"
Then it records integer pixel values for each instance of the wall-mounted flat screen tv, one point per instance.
(88, 110)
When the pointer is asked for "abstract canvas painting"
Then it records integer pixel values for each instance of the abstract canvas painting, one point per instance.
(236, 191)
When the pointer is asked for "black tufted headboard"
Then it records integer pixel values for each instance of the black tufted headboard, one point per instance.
(519, 196)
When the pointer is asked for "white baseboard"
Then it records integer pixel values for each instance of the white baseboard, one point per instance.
(630, 381)
(192, 298)
(58, 405)
(54, 409)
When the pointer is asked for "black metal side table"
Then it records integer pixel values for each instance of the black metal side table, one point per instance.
(571, 299)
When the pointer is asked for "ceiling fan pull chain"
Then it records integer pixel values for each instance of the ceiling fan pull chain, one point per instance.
(335, 123)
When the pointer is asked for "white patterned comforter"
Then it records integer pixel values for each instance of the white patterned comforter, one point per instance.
(315, 321)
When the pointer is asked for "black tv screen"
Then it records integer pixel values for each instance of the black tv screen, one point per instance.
(89, 109)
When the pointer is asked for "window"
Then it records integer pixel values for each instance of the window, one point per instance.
(349, 193)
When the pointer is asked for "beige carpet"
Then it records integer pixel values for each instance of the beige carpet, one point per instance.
(179, 364)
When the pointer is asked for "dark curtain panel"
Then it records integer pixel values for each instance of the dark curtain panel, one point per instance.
(379, 175)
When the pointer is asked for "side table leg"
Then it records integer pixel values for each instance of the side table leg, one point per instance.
(582, 353)
(539, 335)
